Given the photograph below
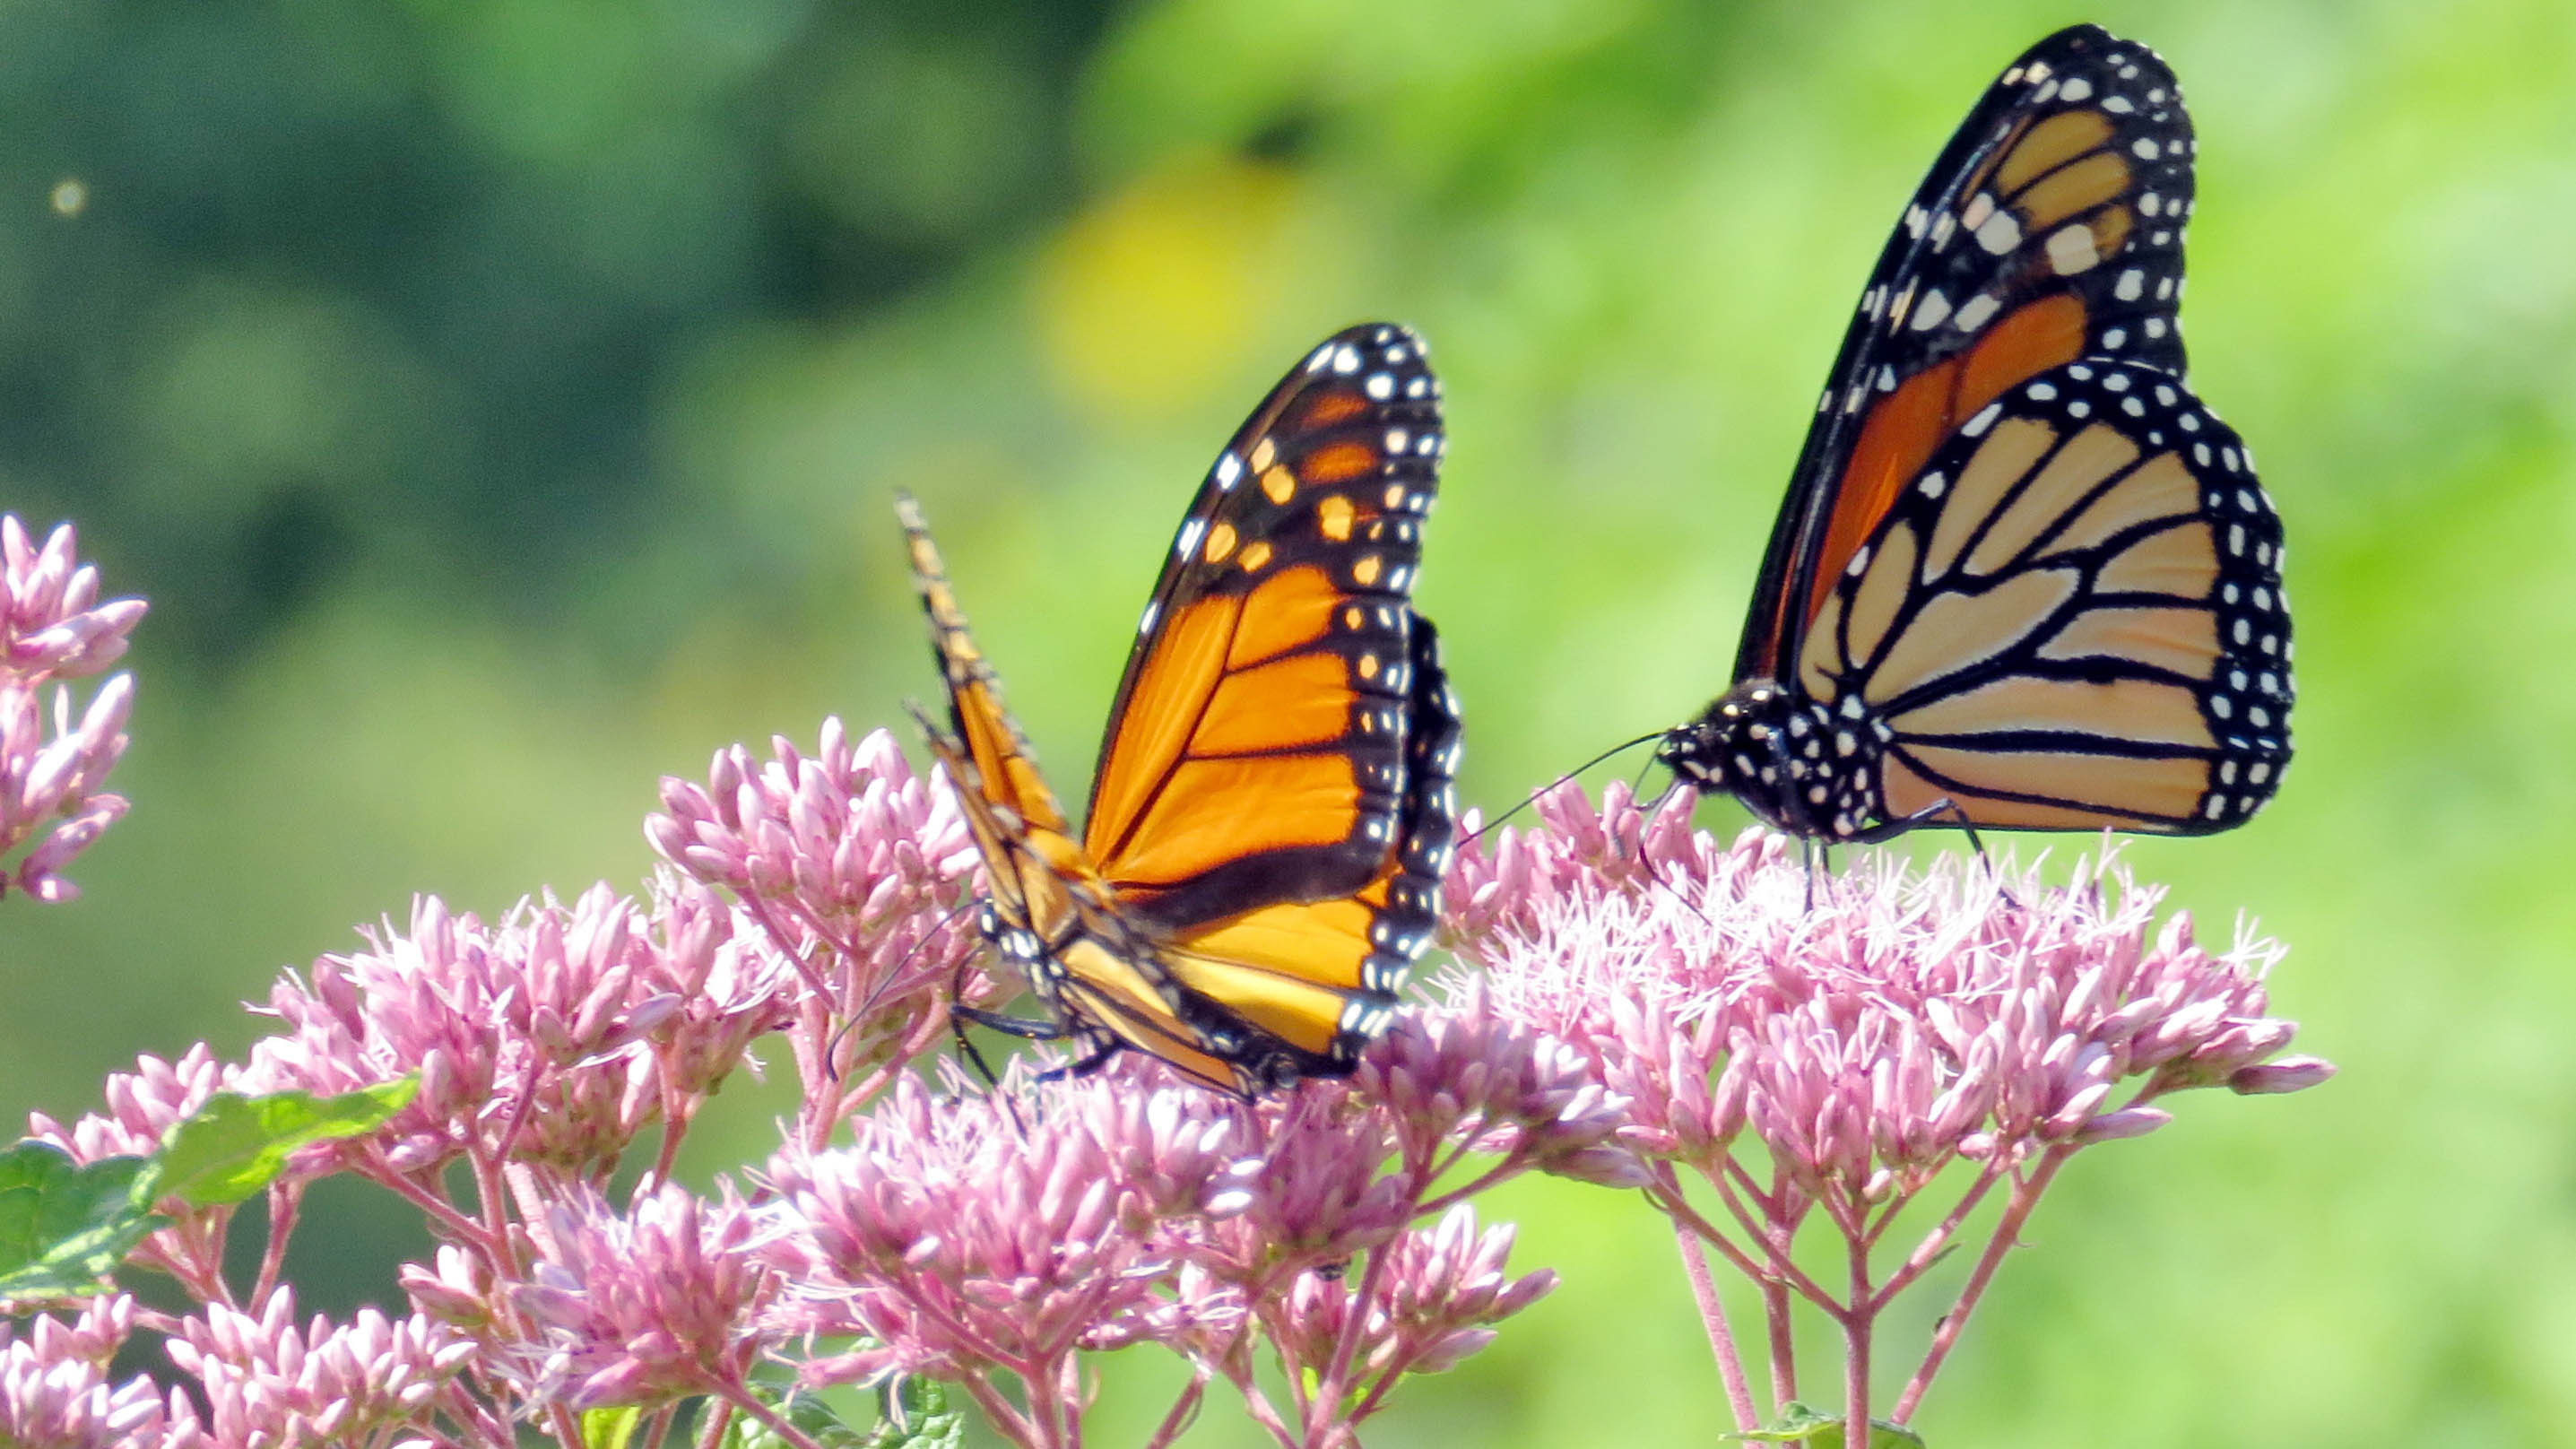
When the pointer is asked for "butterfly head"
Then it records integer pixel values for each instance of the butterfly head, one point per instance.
(1797, 764)
(1735, 746)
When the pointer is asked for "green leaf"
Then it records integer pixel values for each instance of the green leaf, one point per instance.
(1799, 1424)
(927, 1421)
(236, 1145)
(921, 1405)
(610, 1428)
(63, 1227)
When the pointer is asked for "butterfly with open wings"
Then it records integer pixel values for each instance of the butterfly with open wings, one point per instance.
(2023, 578)
(1272, 809)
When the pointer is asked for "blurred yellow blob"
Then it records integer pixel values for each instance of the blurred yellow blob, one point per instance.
(71, 196)
(1143, 301)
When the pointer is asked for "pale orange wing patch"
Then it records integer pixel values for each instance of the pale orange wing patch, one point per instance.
(2091, 632)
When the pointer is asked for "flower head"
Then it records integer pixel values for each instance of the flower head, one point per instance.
(544, 1037)
(1463, 1073)
(1437, 1293)
(1902, 1019)
(268, 1382)
(855, 865)
(1002, 1229)
(53, 765)
(54, 1387)
(648, 1305)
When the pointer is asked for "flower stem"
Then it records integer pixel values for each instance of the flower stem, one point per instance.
(1929, 1250)
(283, 1200)
(1857, 1325)
(2025, 1196)
(1721, 1337)
(719, 1415)
(1330, 1389)
(777, 1423)
(1184, 1410)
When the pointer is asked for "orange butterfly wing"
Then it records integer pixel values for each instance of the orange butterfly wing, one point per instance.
(1273, 805)
(1256, 750)
(2049, 229)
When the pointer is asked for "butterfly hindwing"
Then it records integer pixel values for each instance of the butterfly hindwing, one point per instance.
(2072, 618)
(2049, 229)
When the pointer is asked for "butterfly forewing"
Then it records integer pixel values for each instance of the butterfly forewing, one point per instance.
(2050, 229)
(1255, 752)
(2071, 618)
(1273, 809)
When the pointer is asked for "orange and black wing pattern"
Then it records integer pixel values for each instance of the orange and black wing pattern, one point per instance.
(2023, 579)
(2072, 619)
(2050, 229)
(1035, 867)
(1272, 810)
(1256, 749)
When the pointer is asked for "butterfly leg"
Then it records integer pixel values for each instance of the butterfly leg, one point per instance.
(1098, 1058)
(1943, 811)
(1026, 1028)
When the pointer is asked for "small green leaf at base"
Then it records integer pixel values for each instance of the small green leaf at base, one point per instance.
(1798, 1424)
(236, 1145)
(64, 1227)
(610, 1428)
(913, 1413)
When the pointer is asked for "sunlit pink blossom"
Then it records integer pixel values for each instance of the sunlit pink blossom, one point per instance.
(1463, 1076)
(648, 1305)
(54, 756)
(1819, 1047)
(55, 1392)
(1432, 1301)
(966, 1234)
(268, 1382)
(857, 868)
(535, 1038)
(1904, 1018)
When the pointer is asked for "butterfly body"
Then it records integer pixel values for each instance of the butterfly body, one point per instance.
(1800, 765)
(1272, 809)
(2023, 578)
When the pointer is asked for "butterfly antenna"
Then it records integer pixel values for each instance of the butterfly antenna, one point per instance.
(832, 1048)
(1639, 783)
(1561, 779)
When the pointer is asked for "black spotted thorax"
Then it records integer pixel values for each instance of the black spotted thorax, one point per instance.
(1801, 765)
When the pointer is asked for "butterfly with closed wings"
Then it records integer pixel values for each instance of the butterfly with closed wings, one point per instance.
(2023, 579)
(1272, 808)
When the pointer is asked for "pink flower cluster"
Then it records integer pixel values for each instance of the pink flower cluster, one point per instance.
(53, 629)
(1900, 1020)
(858, 870)
(555, 1036)
(1824, 1047)
(268, 1382)
(651, 1304)
(993, 1237)
(55, 1392)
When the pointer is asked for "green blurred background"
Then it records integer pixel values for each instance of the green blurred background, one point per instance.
(499, 400)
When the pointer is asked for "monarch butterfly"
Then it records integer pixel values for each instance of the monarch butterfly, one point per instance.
(1272, 809)
(2022, 577)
